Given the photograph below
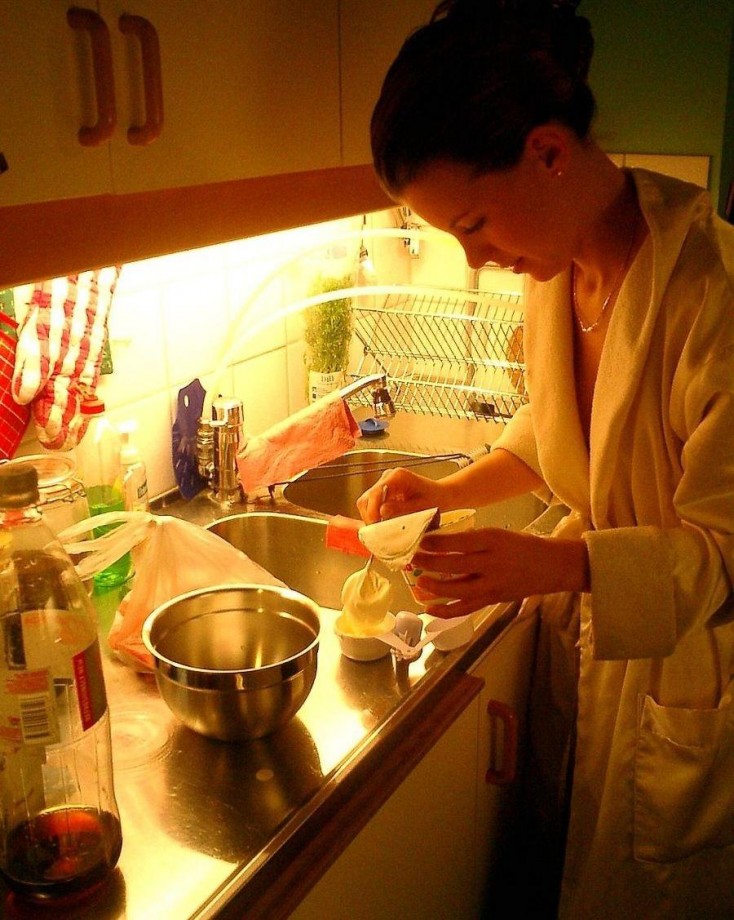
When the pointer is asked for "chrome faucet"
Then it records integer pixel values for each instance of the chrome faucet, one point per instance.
(381, 399)
(217, 441)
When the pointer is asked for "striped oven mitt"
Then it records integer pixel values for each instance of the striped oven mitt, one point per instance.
(60, 345)
(13, 418)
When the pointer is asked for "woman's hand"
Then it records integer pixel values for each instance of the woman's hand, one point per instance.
(493, 565)
(397, 492)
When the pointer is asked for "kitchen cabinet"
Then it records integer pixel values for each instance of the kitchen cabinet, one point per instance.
(248, 89)
(415, 857)
(505, 668)
(371, 35)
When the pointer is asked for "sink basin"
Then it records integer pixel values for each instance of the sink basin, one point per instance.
(334, 487)
(292, 548)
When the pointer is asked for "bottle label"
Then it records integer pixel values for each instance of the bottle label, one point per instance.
(49, 691)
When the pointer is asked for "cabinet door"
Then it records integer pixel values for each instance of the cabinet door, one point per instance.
(414, 859)
(506, 669)
(250, 88)
(46, 95)
(371, 35)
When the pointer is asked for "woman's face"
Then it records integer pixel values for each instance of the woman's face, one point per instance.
(508, 217)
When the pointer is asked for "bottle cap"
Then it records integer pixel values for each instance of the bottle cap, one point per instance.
(18, 486)
(92, 406)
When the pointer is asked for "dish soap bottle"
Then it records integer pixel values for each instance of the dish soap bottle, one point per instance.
(60, 827)
(101, 471)
(134, 476)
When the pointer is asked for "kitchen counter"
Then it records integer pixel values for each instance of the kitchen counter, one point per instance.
(218, 830)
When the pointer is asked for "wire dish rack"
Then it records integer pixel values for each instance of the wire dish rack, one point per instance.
(452, 353)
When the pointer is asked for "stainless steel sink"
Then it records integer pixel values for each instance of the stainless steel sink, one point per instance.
(292, 548)
(334, 487)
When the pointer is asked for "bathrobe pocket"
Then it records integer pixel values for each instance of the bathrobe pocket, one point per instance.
(684, 780)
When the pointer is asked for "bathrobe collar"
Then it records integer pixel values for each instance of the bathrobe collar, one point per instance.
(581, 479)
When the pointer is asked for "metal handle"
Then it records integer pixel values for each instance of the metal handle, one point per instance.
(505, 773)
(104, 85)
(145, 32)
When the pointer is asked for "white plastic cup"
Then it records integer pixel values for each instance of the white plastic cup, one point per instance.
(450, 522)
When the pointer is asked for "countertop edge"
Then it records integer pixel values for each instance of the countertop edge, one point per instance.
(308, 844)
(299, 856)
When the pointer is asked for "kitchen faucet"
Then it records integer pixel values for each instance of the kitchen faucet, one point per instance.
(381, 399)
(217, 442)
(218, 439)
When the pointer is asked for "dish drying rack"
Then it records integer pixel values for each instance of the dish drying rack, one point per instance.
(451, 353)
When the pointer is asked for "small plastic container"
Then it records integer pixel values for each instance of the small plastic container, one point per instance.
(450, 522)
(363, 648)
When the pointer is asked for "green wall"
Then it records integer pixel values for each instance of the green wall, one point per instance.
(660, 74)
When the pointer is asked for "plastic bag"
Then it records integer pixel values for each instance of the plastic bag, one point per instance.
(171, 557)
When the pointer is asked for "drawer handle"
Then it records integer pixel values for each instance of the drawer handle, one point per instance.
(104, 85)
(503, 774)
(150, 50)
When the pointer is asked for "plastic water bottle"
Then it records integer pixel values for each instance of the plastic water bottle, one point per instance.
(60, 829)
(102, 475)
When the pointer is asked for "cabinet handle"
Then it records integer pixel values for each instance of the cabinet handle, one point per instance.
(505, 773)
(104, 85)
(145, 32)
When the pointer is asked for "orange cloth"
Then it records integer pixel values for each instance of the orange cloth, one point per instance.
(322, 431)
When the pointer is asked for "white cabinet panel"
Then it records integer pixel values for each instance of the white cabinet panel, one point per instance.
(249, 88)
(46, 95)
(506, 668)
(414, 859)
(371, 36)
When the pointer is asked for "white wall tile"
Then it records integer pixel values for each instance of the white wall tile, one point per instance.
(152, 436)
(262, 385)
(196, 324)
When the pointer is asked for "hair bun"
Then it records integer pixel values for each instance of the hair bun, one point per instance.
(542, 25)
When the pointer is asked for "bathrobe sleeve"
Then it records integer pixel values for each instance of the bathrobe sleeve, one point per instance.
(518, 438)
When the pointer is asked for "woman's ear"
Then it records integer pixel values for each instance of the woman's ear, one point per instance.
(548, 147)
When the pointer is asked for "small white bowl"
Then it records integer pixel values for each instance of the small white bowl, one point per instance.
(446, 635)
(363, 648)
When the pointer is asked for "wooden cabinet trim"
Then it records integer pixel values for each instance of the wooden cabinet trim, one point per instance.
(56, 238)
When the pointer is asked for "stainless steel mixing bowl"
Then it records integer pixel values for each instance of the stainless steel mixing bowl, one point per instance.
(234, 661)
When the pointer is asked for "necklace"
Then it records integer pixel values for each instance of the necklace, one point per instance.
(614, 289)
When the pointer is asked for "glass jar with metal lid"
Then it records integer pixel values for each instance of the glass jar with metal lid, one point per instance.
(63, 500)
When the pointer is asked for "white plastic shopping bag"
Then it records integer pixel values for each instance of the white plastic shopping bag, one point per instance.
(171, 557)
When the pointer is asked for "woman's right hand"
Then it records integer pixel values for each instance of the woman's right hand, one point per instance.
(397, 492)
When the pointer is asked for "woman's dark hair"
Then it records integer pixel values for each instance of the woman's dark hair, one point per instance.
(471, 84)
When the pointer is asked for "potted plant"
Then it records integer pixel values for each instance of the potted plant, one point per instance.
(327, 333)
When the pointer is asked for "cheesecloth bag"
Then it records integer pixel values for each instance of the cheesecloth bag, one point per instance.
(170, 556)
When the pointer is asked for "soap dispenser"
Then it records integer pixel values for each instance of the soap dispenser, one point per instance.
(134, 475)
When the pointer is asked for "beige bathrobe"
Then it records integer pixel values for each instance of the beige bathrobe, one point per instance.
(651, 831)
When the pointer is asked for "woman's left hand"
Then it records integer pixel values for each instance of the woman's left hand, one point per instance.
(492, 565)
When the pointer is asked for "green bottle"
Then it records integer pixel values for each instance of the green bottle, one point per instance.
(102, 477)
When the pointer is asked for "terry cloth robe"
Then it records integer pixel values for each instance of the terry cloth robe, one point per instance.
(649, 650)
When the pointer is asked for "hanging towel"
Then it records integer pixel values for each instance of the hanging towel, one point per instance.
(322, 431)
(60, 346)
(13, 417)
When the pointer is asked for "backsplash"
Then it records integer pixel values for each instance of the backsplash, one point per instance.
(173, 317)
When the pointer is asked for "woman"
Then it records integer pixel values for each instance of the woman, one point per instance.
(483, 128)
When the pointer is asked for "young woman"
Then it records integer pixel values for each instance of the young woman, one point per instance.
(483, 128)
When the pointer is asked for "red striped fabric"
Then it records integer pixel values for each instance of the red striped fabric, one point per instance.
(13, 417)
(60, 347)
